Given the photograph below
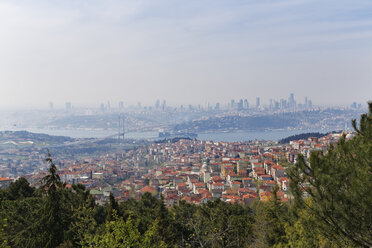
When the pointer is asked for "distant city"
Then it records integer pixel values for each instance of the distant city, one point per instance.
(163, 120)
(283, 104)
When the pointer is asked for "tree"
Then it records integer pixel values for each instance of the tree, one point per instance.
(83, 227)
(20, 189)
(216, 224)
(52, 181)
(120, 233)
(23, 218)
(270, 219)
(3, 238)
(112, 207)
(55, 218)
(303, 230)
(163, 220)
(339, 183)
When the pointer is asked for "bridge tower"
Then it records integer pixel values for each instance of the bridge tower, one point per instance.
(121, 127)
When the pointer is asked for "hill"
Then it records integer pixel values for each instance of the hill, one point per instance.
(301, 136)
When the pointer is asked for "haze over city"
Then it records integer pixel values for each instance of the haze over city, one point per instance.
(194, 123)
(188, 52)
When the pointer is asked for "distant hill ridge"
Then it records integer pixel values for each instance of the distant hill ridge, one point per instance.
(25, 135)
(301, 136)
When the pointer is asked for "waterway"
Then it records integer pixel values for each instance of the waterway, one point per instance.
(215, 136)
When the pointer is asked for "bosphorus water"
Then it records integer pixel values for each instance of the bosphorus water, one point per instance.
(215, 136)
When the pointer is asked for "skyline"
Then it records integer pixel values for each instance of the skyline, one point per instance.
(283, 102)
(251, 104)
(186, 53)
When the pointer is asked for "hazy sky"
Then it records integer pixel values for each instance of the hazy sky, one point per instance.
(190, 51)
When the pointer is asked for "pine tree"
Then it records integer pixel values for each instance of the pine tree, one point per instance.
(54, 218)
(340, 185)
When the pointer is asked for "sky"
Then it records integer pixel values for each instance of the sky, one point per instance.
(187, 52)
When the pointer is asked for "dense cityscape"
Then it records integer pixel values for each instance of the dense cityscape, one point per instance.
(178, 169)
(174, 164)
(185, 124)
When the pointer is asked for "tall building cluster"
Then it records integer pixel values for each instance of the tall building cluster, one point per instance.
(282, 104)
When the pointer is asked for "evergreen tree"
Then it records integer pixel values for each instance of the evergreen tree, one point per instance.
(304, 230)
(112, 207)
(3, 238)
(20, 189)
(120, 233)
(52, 181)
(270, 220)
(339, 183)
(55, 218)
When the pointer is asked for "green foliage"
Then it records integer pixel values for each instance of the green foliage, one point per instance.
(55, 218)
(339, 184)
(306, 231)
(113, 207)
(215, 224)
(120, 233)
(82, 227)
(23, 216)
(269, 225)
(51, 181)
(3, 238)
(20, 189)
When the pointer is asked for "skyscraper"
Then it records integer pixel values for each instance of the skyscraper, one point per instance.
(102, 107)
(68, 106)
(257, 102)
(164, 105)
(291, 101)
(240, 104)
(232, 104)
(217, 106)
(246, 104)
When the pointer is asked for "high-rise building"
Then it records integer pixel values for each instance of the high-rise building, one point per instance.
(164, 105)
(68, 106)
(121, 105)
(157, 104)
(102, 107)
(310, 104)
(51, 106)
(246, 104)
(277, 105)
(240, 104)
(232, 104)
(217, 106)
(283, 104)
(291, 101)
(257, 102)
